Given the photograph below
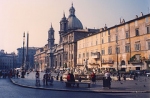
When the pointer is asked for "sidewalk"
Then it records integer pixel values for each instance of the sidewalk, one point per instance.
(130, 86)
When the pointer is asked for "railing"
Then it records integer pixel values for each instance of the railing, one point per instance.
(79, 64)
(147, 60)
(136, 62)
(93, 63)
(107, 62)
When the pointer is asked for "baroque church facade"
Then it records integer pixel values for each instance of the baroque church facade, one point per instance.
(63, 54)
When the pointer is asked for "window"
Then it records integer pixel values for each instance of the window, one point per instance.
(148, 30)
(127, 48)
(137, 46)
(91, 53)
(127, 34)
(51, 36)
(136, 32)
(146, 19)
(108, 32)
(96, 42)
(148, 45)
(109, 50)
(102, 41)
(117, 49)
(87, 54)
(116, 29)
(83, 55)
(72, 56)
(103, 52)
(116, 38)
(79, 55)
(69, 38)
(109, 39)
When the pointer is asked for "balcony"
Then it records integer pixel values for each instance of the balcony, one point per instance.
(93, 63)
(107, 62)
(95, 55)
(135, 61)
(80, 64)
(147, 61)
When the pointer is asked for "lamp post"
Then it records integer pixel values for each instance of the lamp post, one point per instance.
(117, 60)
(23, 73)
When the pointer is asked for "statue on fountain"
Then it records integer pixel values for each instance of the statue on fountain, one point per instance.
(85, 69)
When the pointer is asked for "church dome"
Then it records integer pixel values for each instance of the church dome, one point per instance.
(73, 22)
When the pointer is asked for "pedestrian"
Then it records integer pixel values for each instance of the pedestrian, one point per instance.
(37, 76)
(107, 74)
(72, 79)
(68, 80)
(44, 79)
(93, 77)
(47, 78)
(51, 80)
(17, 73)
(124, 77)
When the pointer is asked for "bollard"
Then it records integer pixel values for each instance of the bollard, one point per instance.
(57, 77)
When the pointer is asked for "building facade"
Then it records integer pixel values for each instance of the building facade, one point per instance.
(64, 53)
(7, 60)
(31, 53)
(125, 46)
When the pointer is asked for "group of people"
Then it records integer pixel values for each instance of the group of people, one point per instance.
(47, 79)
(9, 73)
(70, 78)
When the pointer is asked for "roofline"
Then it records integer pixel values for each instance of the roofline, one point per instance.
(117, 25)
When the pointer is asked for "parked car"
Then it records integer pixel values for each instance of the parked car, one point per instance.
(139, 72)
(147, 73)
(134, 72)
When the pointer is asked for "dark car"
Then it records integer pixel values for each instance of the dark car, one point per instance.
(139, 72)
(136, 72)
(132, 72)
(146, 71)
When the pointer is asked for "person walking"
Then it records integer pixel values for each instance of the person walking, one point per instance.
(68, 80)
(51, 80)
(93, 77)
(37, 76)
(17, 73)
(72, 79)
(44, 79)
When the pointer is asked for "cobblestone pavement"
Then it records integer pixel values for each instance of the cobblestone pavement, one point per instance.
(142, 84)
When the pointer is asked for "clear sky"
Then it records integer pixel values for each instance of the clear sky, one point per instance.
(36, 16)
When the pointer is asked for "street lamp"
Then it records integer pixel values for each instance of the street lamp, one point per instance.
(23, 73)
(117, 59)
